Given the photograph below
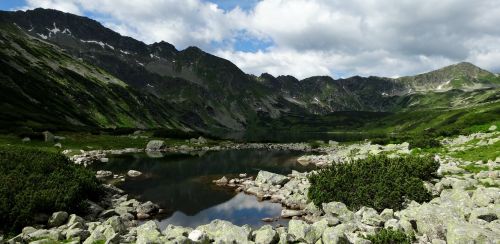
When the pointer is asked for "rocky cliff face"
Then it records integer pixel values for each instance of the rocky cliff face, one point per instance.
(211, 93)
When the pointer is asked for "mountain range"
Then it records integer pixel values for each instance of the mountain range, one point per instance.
(62, 70)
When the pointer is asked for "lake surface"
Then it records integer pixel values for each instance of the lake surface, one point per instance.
(182, 183)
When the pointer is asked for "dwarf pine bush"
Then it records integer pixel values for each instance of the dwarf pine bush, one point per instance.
(378, 181)
(38, 182)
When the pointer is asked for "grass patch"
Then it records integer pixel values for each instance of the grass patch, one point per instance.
(379, 182)
(390, 236)
(473, 168)
(35, 181)
(86, 141)
(479, 153)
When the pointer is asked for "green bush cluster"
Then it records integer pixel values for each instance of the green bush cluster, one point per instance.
(390, 236)
(378, 181)
(34, 182)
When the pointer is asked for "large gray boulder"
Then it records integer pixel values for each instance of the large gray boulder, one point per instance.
(147, 208)
(302, 231)
(463, 232)
(339, 210)
(265, 177)
(48, 136)
(333, 236)
(58, 219)
(155, 145)
(148, 233)
(265, 235)
(430, 219)
(221, 231)
(172, 232)
(482, 197)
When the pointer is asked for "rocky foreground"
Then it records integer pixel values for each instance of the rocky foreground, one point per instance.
(465, 208)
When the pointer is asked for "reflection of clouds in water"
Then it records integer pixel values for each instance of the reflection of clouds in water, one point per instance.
(241, 209)
(242, 201)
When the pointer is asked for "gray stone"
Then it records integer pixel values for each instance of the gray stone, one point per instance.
(58, 219)
(482, 197)
(171, 232)
(462, 232)
(53, 234)
(265, 177)
(338, 209)
(103, 173)
(48, 136)
(222, 231)
(148, 233)
(487, 214)
(73, 218)
(147, 208)
(265, 235)
(198, 236)
(370, 216)
(117, 224)
(302, 232)
(134, 173)
(333, 236)
(108, 213)
(393, 224)
(288, 213)
(155, 145)
(28, 230)
(387, 214)
(77, 233)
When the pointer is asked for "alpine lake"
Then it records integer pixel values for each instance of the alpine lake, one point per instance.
(182, 184)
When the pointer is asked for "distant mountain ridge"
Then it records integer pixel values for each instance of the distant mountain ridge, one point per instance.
(206, 92)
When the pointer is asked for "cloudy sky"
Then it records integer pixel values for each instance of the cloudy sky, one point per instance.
(309, 37)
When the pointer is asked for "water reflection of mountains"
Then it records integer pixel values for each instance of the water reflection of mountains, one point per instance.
(182, 182)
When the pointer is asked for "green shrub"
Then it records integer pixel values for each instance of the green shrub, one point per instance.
(424, 142)
(34, 182)
(390, 236)
(379, 182)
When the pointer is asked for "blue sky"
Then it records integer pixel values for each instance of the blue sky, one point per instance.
(308, 37)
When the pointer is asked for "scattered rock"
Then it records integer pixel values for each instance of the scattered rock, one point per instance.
(48, 137)
(265, 177)
(103, 173)
(58, 219)
(155, 145)
(221, 181)
(134, 173)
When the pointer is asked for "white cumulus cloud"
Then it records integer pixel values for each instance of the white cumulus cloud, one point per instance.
(314, 37)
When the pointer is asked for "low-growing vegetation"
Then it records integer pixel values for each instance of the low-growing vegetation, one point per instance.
(35, 182)
(379, 182)
(479, 153)
(390, 236)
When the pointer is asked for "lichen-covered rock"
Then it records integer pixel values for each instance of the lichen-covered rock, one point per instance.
(148, 233)
(370, 216)
(198, 236)
(482, 197)
(338, 209)
(333, 236)
(58, 219)
(155, 145)
(302, 231)
(265, 235)
(463, 232)
(265, 177)
(222, 231)
(171, 231)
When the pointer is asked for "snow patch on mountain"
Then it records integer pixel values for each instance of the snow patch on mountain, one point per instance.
(440, 87)
(102, 44)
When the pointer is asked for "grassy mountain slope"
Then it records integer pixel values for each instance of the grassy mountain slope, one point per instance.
(42, 86)
(132, 84)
